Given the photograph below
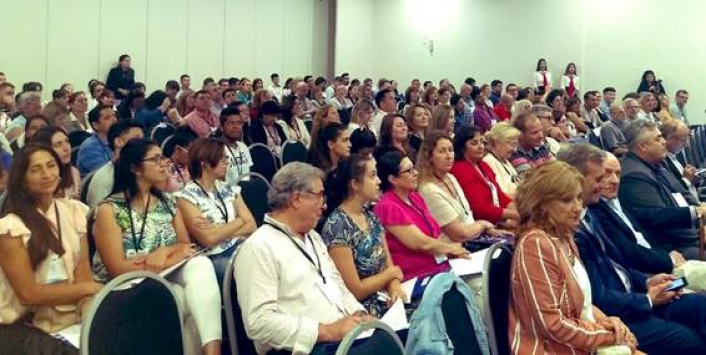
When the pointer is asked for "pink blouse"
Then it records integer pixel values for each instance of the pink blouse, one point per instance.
(392, 211)
(73, 228)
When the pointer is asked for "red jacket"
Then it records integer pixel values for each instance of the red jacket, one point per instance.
(477, 191)
(502, 112)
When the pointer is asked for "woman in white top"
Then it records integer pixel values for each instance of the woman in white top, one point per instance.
(502, 143)
(570, 80)
(44, 267)
(542, 77)
(78, 115)
(442, 193)
(57, 139)
(214, 212)
(340, 100)
(362, 116)
(293, 126)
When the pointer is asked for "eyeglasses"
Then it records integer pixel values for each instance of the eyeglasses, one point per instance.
(318, 195)
(411, 170)
(156, 159)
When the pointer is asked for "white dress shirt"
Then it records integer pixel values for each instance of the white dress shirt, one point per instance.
(279, 289)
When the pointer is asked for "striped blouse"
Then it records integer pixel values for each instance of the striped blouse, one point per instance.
(546, 302)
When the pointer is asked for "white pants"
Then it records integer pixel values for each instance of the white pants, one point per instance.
(201, 295)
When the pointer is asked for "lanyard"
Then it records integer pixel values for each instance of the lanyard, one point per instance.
(276, 141)
(58, 221)
(137, 242)
(238, 162)
(455, 195)
(224, 211)
(308, 257)
(418, 211)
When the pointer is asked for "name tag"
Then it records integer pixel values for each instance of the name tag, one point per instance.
(57, 270)
(680, 200)
(132, 253)
(440, 259)
(330, 289)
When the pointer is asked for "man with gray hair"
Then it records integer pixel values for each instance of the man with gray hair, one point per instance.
(648, 102)
(289, 289)
(677, 134)
(612, 137)
(652, 194)
(663, 321)
(632, 108)
(29, 104)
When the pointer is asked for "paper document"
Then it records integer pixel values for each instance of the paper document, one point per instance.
(471, 266)
(72, 335)
(395, 317)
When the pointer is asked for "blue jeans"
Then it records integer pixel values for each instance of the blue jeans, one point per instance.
(220, 262)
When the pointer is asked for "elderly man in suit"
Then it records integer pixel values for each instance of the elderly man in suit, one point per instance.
(653, 195)
(676, 134)
(664, 321)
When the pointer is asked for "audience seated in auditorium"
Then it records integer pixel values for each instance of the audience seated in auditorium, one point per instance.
(418, 118)
(362, 116)
(330, 147)
(264, 129)
(178, 152)
(477, 180)
(678, 107)
(612, 137)
(676, 134)
(29, 104)
(102, 181)
(483, 115)
(624, 231)
(290, 292)
(663, 321)
(58, 140)
(78, 115)
(501, 143)
(551, 305)
(354, 235)
(386, 104)
(393, 137)
(43, 255)
(653, 195)
(237, 153)
(531, 149)
(213, 211)
(95, 150)
(139, 228)
(293, 126)
(411, 232)
(202, 120)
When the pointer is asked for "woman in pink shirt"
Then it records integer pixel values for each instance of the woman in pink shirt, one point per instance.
(411, 232)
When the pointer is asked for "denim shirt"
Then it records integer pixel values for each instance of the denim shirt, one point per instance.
(427, 331)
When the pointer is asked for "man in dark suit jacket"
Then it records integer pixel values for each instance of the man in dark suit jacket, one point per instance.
(676, 134)
(652, 195)
(624, 231)
(662, 322)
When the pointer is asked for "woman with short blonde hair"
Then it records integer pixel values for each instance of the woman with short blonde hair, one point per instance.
(502, 141)
(551, 309)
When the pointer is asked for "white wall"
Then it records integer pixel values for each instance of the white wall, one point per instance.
(55, 41)
(612, 42)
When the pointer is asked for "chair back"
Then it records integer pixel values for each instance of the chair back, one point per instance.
(496, 296)
(384, 341)
(161, 131)
(85, 185)
(135, 313)
(253, 188)
(459, 325)
(264, 162)
(293, 151)
(238, 339)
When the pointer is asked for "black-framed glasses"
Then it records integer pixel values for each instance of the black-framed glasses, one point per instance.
(410, 171)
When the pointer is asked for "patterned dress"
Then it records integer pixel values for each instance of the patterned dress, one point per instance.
(367, 247)
(158, 228)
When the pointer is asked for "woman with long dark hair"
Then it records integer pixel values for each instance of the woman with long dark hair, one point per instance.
(44, 267)
(330, 146)
(355, 236)
(57, 139)
(650, 83)
(139, 228)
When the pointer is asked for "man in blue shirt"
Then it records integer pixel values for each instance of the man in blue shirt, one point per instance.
(95, 151)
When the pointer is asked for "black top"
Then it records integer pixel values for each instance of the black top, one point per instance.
(119, 79)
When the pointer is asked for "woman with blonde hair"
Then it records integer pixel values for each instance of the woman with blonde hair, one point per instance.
(551, 311)
(502, 141)
(323, 116)
(521, 105)
(417, 117)
(362, 116)
(442, 119)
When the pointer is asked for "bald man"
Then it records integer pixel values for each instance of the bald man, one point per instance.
(676, 133)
